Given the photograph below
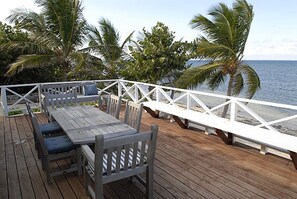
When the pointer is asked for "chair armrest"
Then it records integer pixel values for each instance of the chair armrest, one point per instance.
(88, 153)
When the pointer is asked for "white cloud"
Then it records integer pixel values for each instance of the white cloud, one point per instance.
(268, 49)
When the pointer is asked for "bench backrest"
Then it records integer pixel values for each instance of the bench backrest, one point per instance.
(61, 88)
(77, 87)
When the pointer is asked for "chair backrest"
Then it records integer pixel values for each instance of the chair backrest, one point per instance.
(30, 112)
(103, 101)
(37, 132)
(133, 114)
(125, 156)
(60, 100)
(114, 105)
(28, 107)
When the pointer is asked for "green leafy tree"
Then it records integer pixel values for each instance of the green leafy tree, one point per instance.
(105, 43)
(226, 34)
(9, 34)
(156, 56)
(55, 36)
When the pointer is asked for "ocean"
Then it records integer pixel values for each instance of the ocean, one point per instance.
(278, 85)
(278, 81)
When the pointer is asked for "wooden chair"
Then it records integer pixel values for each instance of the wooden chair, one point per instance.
(56, 148)
(47, 130)
(114, 105)
(103, 101)
(133, 114)
(119, 158)
(53, 101)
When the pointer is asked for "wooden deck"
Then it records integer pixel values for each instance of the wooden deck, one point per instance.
(188, 164)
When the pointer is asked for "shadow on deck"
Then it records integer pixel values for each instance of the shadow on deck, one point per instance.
(188, 164)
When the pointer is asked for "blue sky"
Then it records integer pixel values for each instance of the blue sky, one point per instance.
(273, 33)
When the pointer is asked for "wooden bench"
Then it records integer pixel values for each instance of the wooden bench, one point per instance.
(223, 126)
(69, 88)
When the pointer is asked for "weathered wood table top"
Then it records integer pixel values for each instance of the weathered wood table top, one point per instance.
(83, 123)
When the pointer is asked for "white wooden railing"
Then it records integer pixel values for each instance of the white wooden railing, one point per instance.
(273, 116)
(12, 100)
(280, 118)
(207, 103)
(239, 107)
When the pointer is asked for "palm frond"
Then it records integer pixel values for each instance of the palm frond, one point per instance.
(216, 79)
(252, 80)
(214, 51)
(28, 61)
(194, 76)
(65, 19)
(238, 84)
(128, 39)
(202, 23)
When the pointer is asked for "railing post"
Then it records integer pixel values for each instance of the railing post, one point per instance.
(157, 94)
(188, 101)
(136, 97)
(119, 88)
(39, 97)
(207, 131)
(233, 114)
(233, 110)
(263, 149)
(4, 101)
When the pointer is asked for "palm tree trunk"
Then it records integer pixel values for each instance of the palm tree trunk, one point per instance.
(229, 93)
(65, 69)
(150, 88)
(172, 92)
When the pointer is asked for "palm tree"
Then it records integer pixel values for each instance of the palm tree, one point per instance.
(105, 43)
(226, 34)
(55, 35)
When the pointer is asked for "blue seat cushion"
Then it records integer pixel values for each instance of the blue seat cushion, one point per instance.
(50, 128)
(59, 144)
(90, 89)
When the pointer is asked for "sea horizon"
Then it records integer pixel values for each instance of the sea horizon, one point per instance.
(252, 60)
(277, 77)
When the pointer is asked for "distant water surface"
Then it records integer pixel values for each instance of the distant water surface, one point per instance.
(278, 81)
(278, 84)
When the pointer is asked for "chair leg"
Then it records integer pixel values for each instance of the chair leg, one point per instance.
(35, 142)
(39, 152)
(99, 190)
(87, 180)
(149, 183)
(79, 161)
(47, 170)
(42, 163)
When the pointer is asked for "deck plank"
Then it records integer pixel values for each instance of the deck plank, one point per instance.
(13, 183)
(188, 164)
(36, 180)
(19, 143)
(214, 155)
(52, 190)
(203, 172)
(120, 190)
(254, 182)
(132, 189)
(3, 176)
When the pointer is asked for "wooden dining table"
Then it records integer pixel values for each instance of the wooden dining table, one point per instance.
(83, 123)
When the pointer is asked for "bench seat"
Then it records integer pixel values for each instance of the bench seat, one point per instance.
(273, 139)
